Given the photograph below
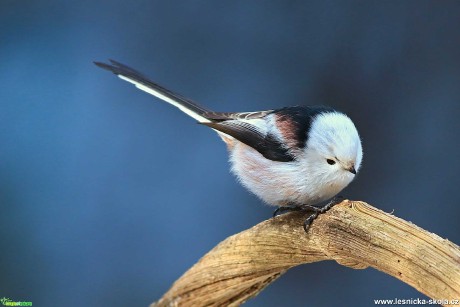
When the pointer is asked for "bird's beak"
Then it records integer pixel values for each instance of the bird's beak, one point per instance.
(352, 170)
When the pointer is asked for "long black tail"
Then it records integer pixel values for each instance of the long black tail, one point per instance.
(140, 81)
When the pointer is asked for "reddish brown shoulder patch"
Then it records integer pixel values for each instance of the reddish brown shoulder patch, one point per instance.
(289, 130)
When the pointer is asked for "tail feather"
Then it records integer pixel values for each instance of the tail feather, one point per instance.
(187, 106)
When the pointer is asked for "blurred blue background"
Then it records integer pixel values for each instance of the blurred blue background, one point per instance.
(107, 195)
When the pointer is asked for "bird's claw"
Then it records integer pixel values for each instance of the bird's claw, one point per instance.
(319, 210)
(309, 208)
(309, 220)
(284, 209)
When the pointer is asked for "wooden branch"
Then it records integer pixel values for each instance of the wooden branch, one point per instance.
(352, 233)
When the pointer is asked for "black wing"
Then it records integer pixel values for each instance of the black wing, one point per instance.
(266, 144)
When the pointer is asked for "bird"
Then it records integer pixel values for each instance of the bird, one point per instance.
(294, 158)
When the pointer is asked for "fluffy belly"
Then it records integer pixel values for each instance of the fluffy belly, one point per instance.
(280, 183)
(271, 181)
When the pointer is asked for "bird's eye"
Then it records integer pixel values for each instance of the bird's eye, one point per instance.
(330, 161)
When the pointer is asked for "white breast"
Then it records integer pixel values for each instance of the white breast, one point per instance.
(280, 183)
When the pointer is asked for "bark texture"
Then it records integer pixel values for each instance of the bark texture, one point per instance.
(352, 233)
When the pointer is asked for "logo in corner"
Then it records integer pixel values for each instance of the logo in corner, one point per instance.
(8, 302)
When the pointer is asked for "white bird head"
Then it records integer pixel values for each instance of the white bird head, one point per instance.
(335, 146)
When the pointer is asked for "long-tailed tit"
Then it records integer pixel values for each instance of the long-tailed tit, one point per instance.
(294, 157)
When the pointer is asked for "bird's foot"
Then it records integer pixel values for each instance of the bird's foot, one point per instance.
(284, 209)
(318, 210)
